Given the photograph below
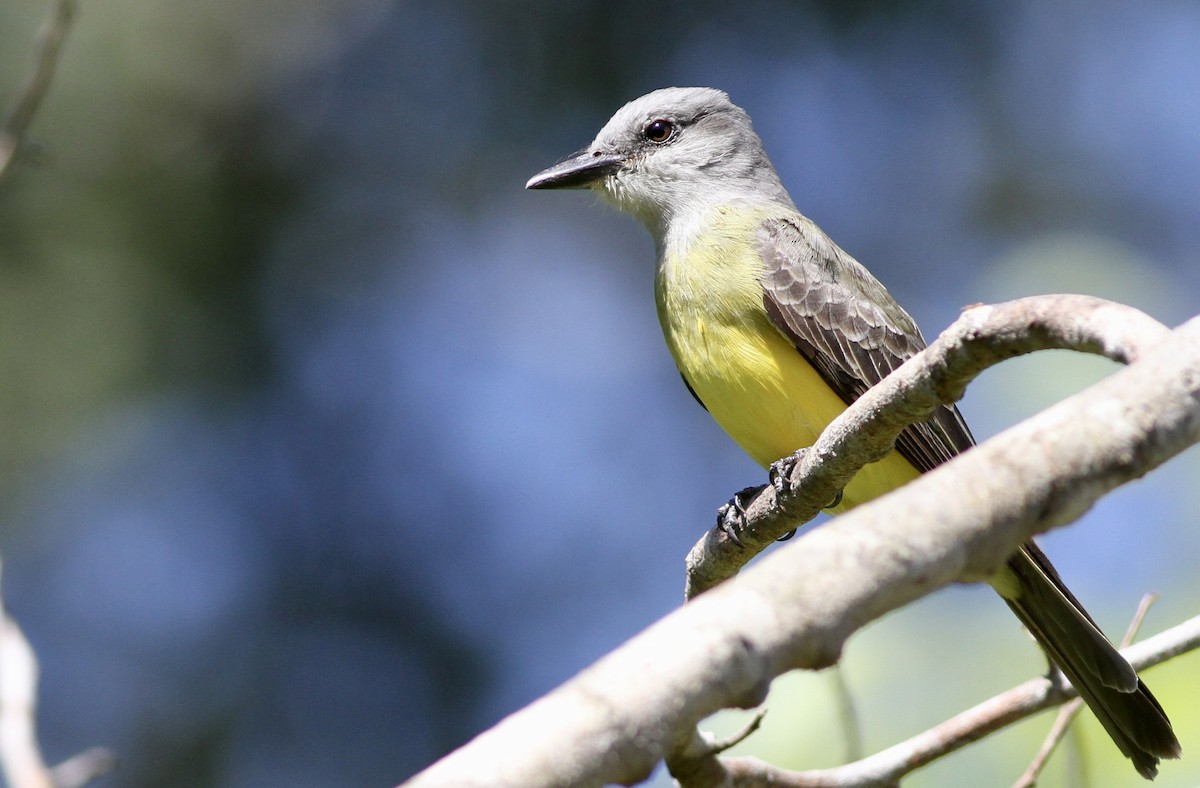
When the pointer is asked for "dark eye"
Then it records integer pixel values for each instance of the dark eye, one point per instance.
(659, 130)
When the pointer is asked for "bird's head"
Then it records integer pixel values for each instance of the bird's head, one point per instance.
(668, 151)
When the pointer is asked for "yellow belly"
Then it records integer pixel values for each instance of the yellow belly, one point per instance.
(750, 377)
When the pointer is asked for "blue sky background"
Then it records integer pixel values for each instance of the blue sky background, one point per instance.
(326, 445)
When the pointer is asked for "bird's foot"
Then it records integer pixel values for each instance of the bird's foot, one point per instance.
(731, 517)
(780, 474)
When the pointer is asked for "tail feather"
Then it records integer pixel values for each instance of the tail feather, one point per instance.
(1105, 680)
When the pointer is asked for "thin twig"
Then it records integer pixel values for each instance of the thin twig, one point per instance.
(888, 766)
(718, 746)
(847, 714)
(81, 769)
(12, 134)
(20, 756)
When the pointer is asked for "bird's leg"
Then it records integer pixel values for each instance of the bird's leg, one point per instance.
(731, 517)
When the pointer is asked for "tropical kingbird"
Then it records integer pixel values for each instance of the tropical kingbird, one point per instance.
(776, 330)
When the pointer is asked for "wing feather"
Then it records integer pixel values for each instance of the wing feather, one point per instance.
(843, 321)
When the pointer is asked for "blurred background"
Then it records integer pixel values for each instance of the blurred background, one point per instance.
(323, 445)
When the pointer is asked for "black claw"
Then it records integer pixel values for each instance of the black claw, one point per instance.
(836, 500)
(731, 517)
(787, 536)
(780, 472)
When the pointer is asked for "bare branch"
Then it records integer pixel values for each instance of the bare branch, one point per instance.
(19, 753)
(20, 756)
(81, 769)
(718, 746)
(847, 715)
(982, 337)
(888, 766)
(12, 134)
(795, 608)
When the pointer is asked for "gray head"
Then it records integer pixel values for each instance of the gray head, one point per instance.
(668, 152)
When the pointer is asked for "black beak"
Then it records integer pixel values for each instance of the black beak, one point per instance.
(578, 172)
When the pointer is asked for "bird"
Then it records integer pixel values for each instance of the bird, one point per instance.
(776, 330)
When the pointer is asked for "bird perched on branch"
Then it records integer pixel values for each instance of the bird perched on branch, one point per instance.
(776, 330)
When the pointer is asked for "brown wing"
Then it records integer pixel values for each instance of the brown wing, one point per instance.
(843, 321)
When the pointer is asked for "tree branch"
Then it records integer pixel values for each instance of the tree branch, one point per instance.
(795, 608)
(12, 134)
(20, 756)
(982, 337)
(886, 767)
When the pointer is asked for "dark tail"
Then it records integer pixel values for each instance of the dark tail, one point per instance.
(1105, 681)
